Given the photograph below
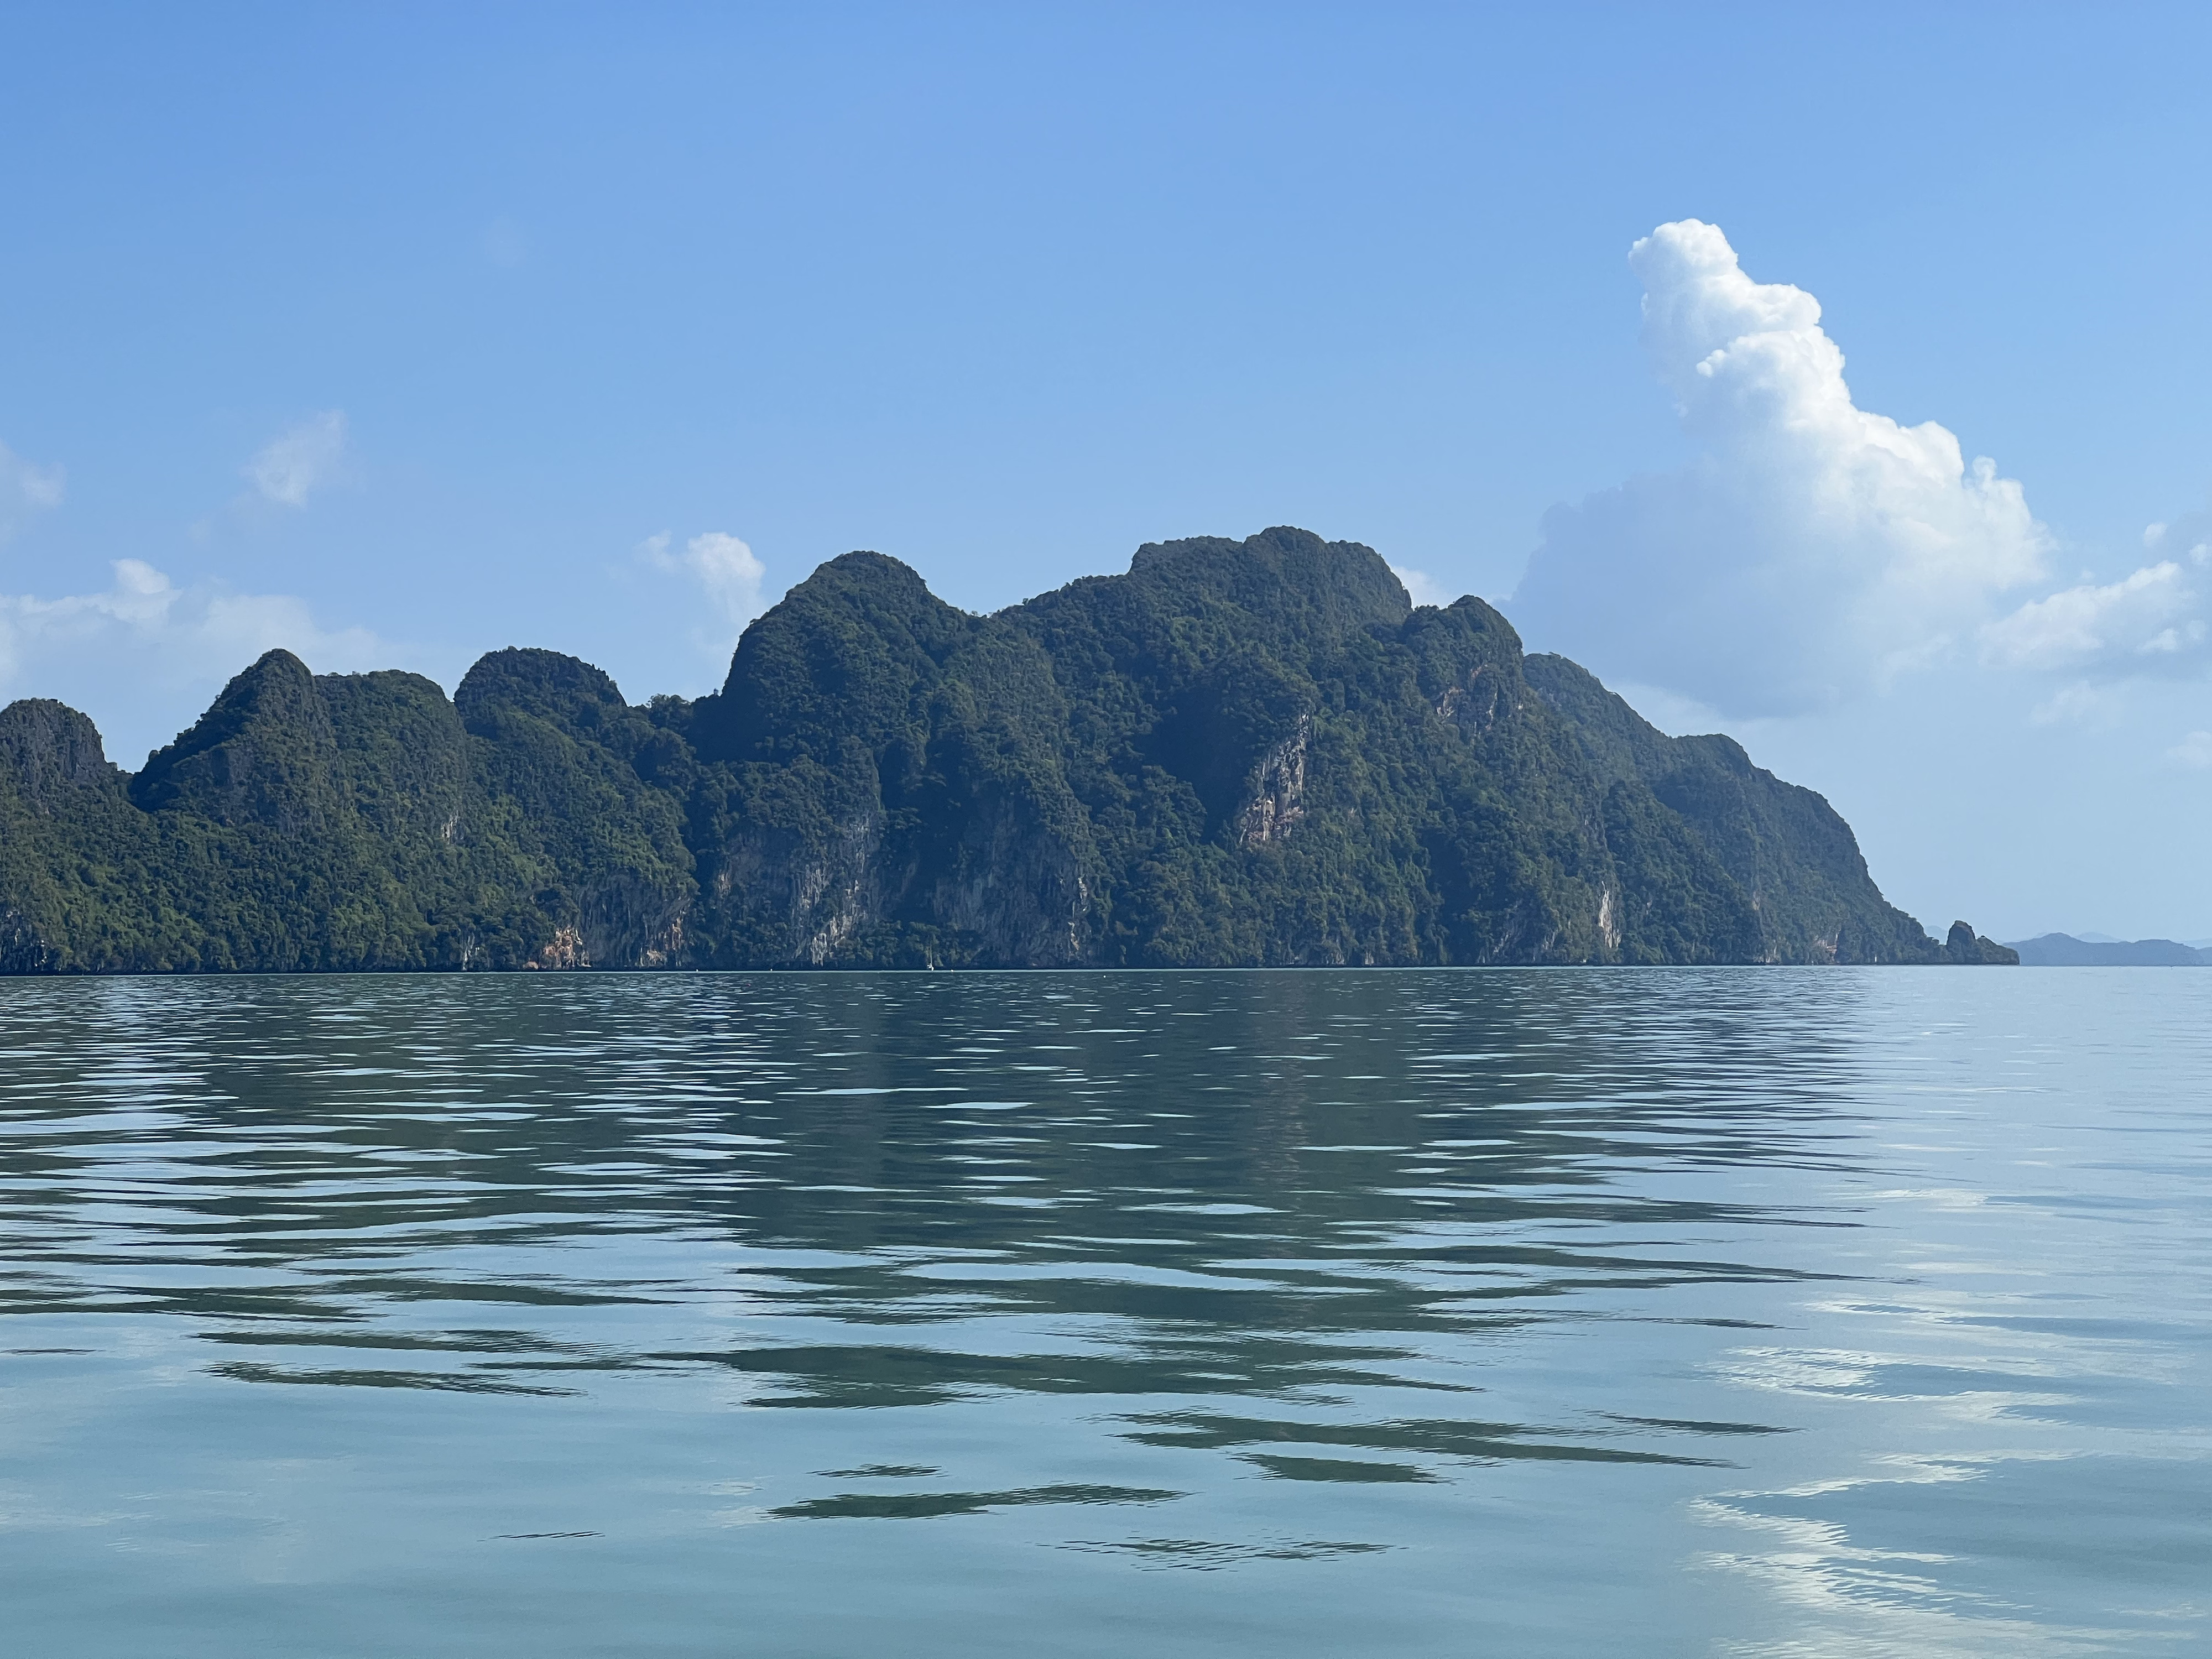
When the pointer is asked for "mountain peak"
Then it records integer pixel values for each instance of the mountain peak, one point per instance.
(261, 754)
(47, 748)
(1236, 753)
(1283, 572)
(566, 690)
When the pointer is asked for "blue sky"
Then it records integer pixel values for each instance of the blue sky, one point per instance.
(398, 335)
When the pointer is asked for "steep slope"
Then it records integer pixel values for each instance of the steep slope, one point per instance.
(881, 784)
(75, 854)
(345, 822)
(1785, 847)
(571, 771)
(1236, 753)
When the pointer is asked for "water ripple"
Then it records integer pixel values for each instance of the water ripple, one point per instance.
(1772, 1313)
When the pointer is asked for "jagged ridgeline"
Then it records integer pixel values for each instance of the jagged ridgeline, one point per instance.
(1239, 752)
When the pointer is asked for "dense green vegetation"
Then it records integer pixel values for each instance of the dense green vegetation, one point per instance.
(1238, 752)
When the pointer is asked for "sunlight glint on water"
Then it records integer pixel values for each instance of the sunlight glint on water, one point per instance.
(1788, 1312)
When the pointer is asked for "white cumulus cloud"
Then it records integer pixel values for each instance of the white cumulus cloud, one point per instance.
(729, 576)
(299, 460)
(2146, 615)
(1811, 550)
(2152, 621)
(2195, 750)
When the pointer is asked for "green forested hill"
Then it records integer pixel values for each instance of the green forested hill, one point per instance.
(1238, 752)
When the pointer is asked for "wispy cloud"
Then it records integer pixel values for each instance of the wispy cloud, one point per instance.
(729, 576)
(143, 656)
(25, 488)
(2095, 707)
(146, 627)
(2154, 621)
(2195, 750)
(300, 461)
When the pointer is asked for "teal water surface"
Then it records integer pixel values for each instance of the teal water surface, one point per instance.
(1742, 1311)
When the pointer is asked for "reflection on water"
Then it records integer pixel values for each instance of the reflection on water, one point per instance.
(1749, 1311)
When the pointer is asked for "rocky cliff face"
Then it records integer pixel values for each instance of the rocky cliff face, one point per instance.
(1278, 791)
(52, 755)
(1237, 753)
(1251, 752)
(1966, 948)
(23, 946)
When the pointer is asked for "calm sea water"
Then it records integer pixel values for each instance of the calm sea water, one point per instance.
(1760, 1312)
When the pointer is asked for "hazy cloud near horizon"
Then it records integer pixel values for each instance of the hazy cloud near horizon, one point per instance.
(98, 651)
(134, 654)
(1811, 550)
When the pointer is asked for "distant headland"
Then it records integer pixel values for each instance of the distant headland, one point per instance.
(1253, 753)
(2064, 950)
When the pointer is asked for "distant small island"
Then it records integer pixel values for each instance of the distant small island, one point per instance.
(1239, 753)
(2064, 950)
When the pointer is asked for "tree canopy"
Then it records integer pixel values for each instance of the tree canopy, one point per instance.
(1254, 752)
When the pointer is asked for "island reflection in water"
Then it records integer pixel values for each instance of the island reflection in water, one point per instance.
(1781, 1311)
